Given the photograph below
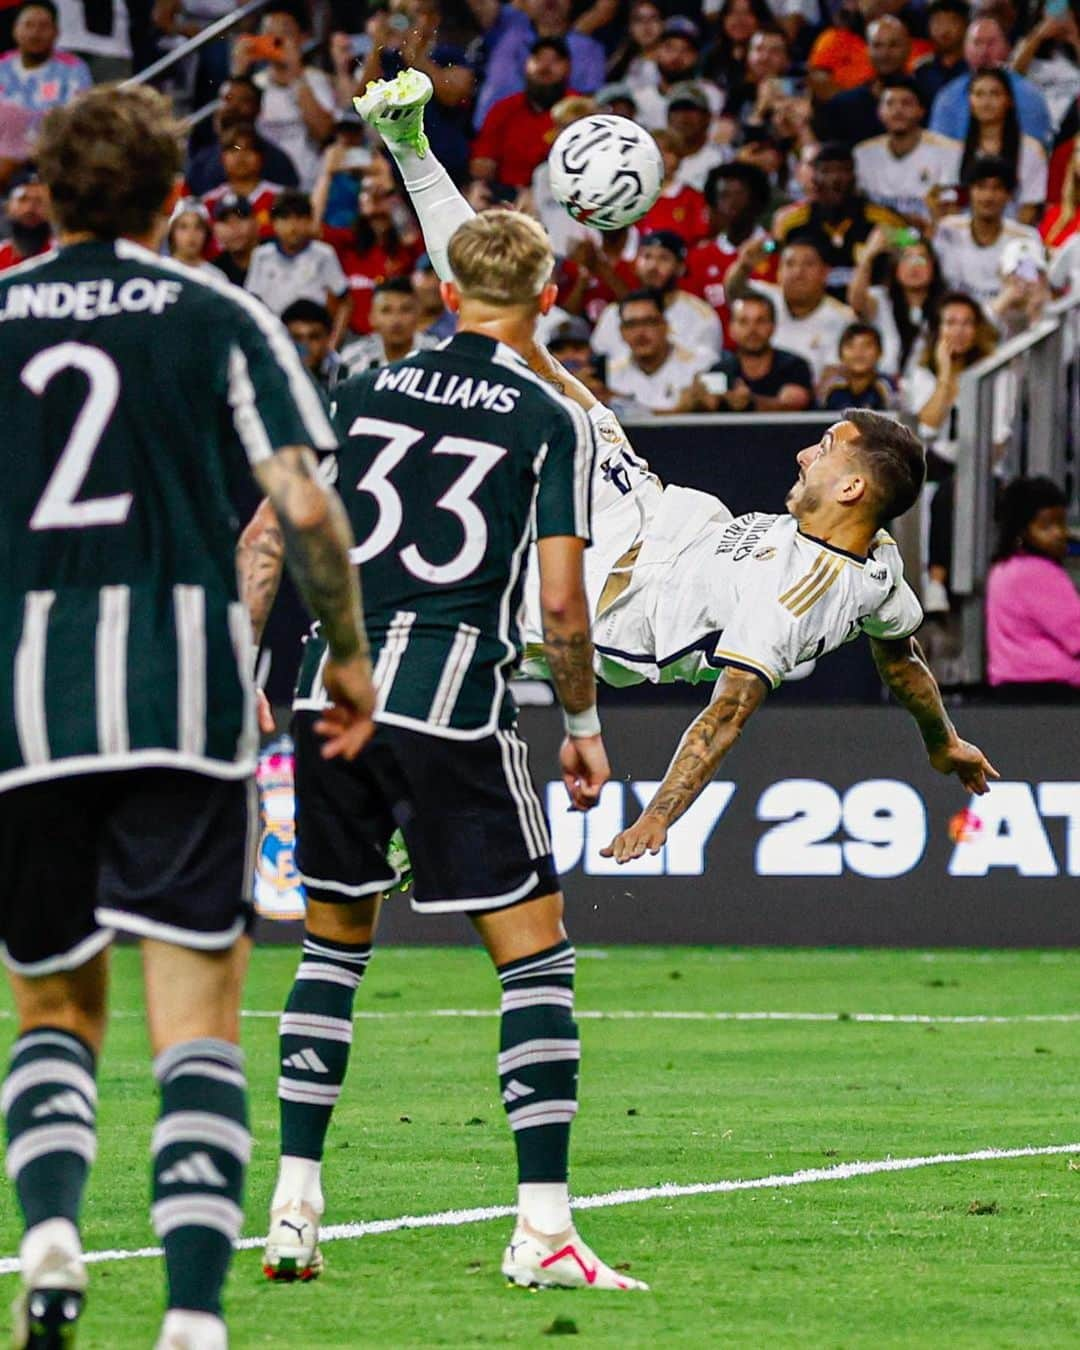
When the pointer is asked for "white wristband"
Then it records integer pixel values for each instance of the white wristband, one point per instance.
(581, 724)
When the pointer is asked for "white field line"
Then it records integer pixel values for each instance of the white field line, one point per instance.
(457, 1218)
(676, 1015)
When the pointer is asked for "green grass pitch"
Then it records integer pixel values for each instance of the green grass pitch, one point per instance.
(966, 1254)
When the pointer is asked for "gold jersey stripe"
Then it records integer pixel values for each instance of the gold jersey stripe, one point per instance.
(721, 655)
(827, 579)
(805, 581)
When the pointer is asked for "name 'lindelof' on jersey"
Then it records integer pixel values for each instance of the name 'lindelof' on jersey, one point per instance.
(451, 462)
(754, 593)
(135, 393)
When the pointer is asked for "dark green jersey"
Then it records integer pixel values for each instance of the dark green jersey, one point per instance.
(134, 392)
(451, 462)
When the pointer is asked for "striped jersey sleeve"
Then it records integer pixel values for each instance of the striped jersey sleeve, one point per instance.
(564, 499)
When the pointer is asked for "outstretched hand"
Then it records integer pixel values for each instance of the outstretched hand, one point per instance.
(969, 764)
(648, 834)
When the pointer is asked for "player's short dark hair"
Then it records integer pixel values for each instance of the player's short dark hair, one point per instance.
(903, 82)
(558, 45)
(46, 5)
(753, 297)
(307, 311)
(645, 293)
(109, 158)
(854, 330)
(291, 202)
(395, 286)
(895, 457)
(991, 166)
(755, 180)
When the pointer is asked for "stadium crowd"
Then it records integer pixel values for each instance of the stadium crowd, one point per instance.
(860, 199)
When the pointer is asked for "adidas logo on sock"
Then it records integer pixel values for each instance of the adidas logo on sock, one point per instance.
(64, 1104)
(514, 1091)
(194, 1170)
(305, 1059)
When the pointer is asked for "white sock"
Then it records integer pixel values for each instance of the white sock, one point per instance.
(49, 1235)
(438, 204)
(299, 1179)
(545, 1206)
(193, 1330)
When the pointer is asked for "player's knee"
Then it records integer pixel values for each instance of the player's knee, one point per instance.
(353, 922)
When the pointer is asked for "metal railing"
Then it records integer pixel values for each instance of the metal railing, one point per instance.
(1042, 368)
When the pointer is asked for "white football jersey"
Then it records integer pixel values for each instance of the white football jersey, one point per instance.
(816, 336)
(708, 592)
(967, 266)
(902, 182)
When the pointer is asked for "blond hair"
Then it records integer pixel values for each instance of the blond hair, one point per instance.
(572, 109)
(501, 258)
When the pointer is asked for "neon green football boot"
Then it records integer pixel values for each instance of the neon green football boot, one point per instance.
(395, 108)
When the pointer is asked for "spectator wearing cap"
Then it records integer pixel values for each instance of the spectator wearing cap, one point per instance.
(242, 157)
(409, 37)
(510, 35)
(436, 321)
(906, 167)
(986, 47)
(395, 324)
(755, 376)
(568, 342)
(809, 321)
(852, 115)
(660, 264)
(239, 101)
(518, 131)
(677, 55)
(617, 99)
(382, 244)
(839, 217)
(1032, 606)
(311, 327)
(35, 76)
(298, 106)
(690, 118)
(189, 232)
(653, 372)
(680, 209)
(28, 216)
(737, 196)
(970, 244)
(236, 234)
(947, 22)
(857, 381)
(597, 271)
(294, 265)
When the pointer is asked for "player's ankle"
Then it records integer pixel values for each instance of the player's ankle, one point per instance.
(544, 1208)
(299, 1179)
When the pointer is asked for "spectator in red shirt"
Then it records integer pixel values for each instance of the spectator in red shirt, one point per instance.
(595, 274)
(242, 156)
(28, 214)
(518, 131)
(680, 209)
(738, 195)
(376, 248)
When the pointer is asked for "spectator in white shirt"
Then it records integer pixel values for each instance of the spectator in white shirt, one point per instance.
(994, 129)
(970, 244)
(294, 265)
(660, 263)
(904, 304)
(298, 107)
(655, 372)
(809, 322)
(676, 55)
(395, 321)
(900, 168)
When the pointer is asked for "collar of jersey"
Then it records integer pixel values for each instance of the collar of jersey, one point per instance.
(842, 552)
(481, 345)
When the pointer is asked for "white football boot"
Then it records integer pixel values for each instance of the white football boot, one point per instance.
(395, 108)
(535, 1260)
(47, 1308)
(292, 1245)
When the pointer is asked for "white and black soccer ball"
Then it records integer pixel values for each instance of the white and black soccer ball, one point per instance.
(606, 171)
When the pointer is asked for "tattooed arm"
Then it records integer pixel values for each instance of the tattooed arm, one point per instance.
(569, 651)
(707, 740)
(260, 556)
(315, 539)
(902, 666)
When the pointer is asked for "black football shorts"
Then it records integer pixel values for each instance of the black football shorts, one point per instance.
(158, 853)
(475, 830)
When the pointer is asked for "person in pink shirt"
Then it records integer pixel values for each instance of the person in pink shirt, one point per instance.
(1032, 606)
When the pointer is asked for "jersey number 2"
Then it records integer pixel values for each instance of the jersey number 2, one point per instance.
(58, 509)
(457, 499)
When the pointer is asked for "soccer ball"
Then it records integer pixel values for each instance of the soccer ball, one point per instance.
(606, 171)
